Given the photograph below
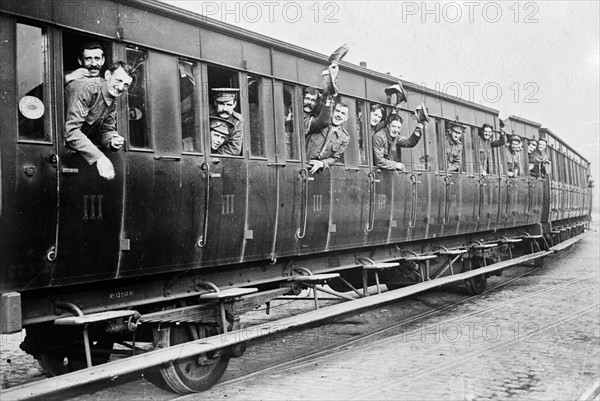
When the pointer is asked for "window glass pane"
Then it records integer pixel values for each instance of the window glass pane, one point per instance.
(360, 133)
(139, 134)
(31, 63)
(292, 139)
(257, 132)
(190, 136)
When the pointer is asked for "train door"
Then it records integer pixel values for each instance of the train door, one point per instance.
(492, 186)
(262, 172)
(91, 207)
(419, 181)
(403, 189)
(350, 185)
(27, 144)
(226, 178)
(292, 178)
(451, 212)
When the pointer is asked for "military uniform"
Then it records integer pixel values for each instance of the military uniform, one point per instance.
(317, 122)
(513, 166)
(233, 145)
(385, 147)
(453, 156)
(327, 144)
(485, 152)
(91, 117)
(539, 161)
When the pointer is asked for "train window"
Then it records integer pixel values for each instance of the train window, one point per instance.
(32, 55)
(139, 132)
(219, 77)
(255, 114)
(187, 99)
(292, 139)
(360, 133)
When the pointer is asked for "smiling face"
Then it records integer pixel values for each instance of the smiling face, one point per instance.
(376, 116)
(487, 133)
(531, 146)
(117, 82)
(93, 60)
(515, 146)
(309, 102)
(542, 146)
(395, 127)
(340, 115)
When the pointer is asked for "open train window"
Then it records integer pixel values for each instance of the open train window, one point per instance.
(361, 134)
(292, 139)
(255, 116)
(32, 83)
(139, 130)
(188, 92)
(219, 77)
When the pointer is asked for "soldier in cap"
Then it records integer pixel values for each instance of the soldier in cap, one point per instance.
(224, 103)
(485, 147)
(324, 146)
(317, 104)
(531, 148)
(387, 140)
(454, 149)
(512, 157)
(540, 157)
(219, 134)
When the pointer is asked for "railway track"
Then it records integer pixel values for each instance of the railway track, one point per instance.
(328, 344)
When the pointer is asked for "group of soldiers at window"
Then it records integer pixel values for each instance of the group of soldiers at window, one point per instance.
(537, 157)
(91, 110)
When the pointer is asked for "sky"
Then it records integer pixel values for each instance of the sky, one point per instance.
(539, 60)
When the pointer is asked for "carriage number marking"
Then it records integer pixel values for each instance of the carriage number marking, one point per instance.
(317, 203)
(227, 205)
(381, 201)
(94, 212)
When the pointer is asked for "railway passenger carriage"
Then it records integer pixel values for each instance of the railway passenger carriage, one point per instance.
(177, 221)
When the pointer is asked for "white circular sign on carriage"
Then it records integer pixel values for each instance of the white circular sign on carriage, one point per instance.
(31, 107)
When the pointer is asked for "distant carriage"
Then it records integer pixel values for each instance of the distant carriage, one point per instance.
(177, 221)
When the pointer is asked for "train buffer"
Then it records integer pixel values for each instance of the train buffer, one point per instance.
(85, 320)
(369, 265)
(312, 280)
(222, 296)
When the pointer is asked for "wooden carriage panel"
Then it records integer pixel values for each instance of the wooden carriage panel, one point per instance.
(285, 66)
(221, 49)
(256, 58)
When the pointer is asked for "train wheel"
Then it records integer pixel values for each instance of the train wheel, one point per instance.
(188, 375)
(474, 285)
(67, 358)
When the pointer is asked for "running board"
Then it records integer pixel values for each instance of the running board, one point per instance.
(565, 244)
(137, 363)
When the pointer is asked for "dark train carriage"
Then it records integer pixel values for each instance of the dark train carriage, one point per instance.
(178, 222)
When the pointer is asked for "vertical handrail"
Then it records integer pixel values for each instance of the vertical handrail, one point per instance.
(371, 222)
(301, 232)
(481, 194)
(446, 200)
(205, 167)
(413, 203)
(52, 253)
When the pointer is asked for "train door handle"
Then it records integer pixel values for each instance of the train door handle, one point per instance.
(372, 181)
(304, 175)
(205, 167)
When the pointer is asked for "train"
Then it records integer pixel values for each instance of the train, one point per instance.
(182, 242)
